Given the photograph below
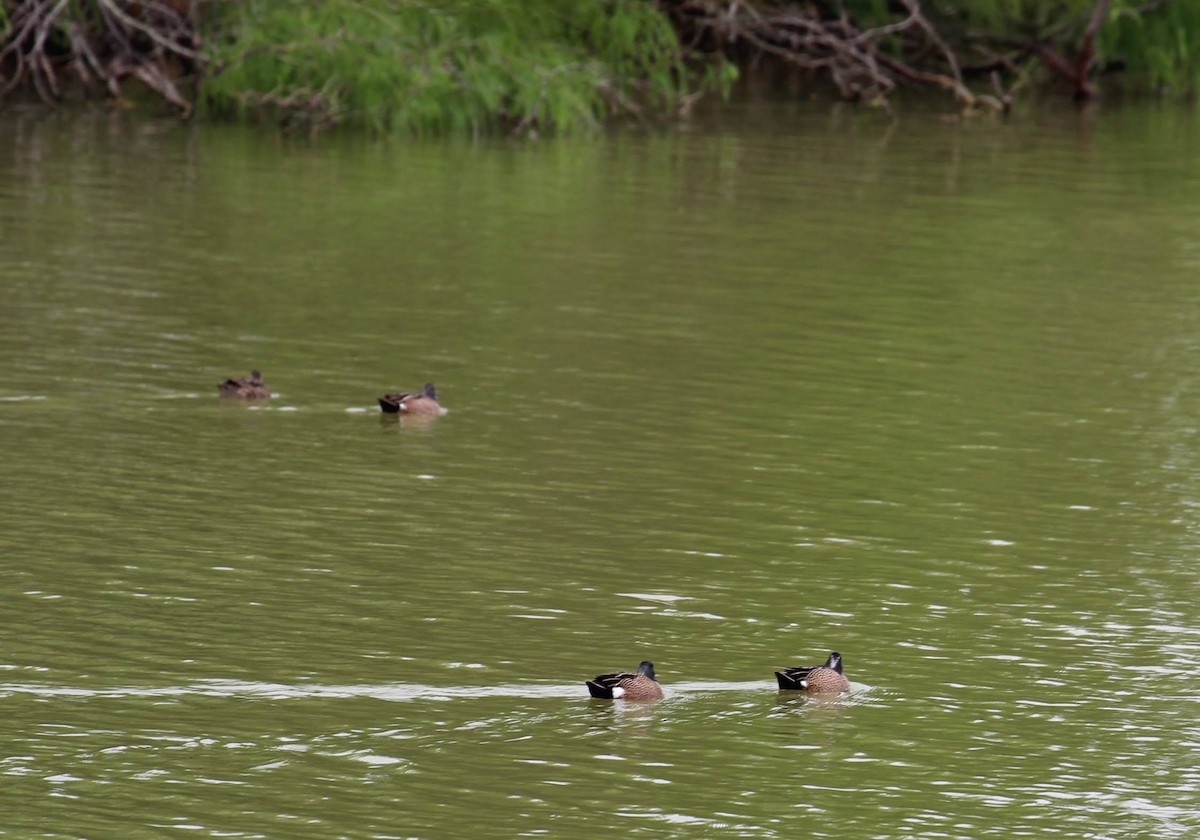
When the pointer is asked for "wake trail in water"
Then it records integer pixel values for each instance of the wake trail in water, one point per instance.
(394, 692)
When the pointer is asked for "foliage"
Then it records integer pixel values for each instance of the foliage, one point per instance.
(475, 65)
(1154, 43)
(1160, 51)
(446, 65)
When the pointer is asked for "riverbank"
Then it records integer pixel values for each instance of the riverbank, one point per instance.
(535, 65)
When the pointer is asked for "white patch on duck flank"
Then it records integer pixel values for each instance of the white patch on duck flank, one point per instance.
(618, 692)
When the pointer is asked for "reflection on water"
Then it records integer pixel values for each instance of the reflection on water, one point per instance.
(725, 398)
(418, 422)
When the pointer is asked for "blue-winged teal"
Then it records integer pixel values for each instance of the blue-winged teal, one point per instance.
(420, 402)
(827, 677)
(249, 387)
(623, 686)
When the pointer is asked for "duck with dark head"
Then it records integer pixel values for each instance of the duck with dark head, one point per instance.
(249, 387)
(625, 686)
(424, 401)
(827, 677)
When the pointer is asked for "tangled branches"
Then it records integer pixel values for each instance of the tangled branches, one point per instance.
(815, 36)
(448, 64)
(100, 42)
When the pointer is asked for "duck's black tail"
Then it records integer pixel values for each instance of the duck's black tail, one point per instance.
(793, 678)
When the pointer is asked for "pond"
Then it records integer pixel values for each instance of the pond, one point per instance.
(728, 397)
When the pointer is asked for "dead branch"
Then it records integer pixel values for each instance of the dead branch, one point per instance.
(101, 42)
(298, 108)
(163, 38)
(1087, 50)
(811, 36)
(955, 81)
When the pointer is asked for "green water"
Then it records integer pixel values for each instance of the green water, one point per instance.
(726, 397)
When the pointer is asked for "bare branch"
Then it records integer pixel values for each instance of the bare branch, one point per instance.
(106, 41)
(812, 37)
(150, 32)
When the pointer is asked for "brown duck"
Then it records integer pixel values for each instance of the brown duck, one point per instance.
(249, 387)
(624, 686)
(419, 402)
(827, 677)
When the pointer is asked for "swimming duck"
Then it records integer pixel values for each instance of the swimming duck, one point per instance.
(624, 686)
(420, 402)
(827, 677)
(249, 387)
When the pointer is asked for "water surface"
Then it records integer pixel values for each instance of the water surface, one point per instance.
(728, 397)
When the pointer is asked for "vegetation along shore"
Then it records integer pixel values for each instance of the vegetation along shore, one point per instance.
(535, 65)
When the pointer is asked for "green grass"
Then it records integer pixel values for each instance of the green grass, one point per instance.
(446, 66)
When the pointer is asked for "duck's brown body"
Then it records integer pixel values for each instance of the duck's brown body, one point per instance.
(416, 402)
(827, 677)
(625, 686)
(249, 387)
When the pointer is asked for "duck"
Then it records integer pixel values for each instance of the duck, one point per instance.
(249, 387)
(625, 686)
(420, 402)
(827, 677)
